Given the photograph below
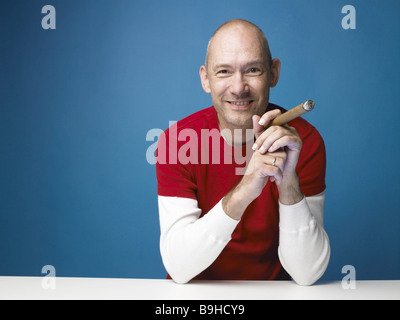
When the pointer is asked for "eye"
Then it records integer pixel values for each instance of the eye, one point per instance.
(255, 70)
(223, 73)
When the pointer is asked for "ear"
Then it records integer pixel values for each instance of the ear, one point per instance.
(205, 82)
(274, 72)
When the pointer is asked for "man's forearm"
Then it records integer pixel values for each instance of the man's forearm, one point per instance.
(289, 191)
(238, 199)
(235, 202)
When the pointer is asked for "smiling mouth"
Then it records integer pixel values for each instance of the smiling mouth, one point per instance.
(240, 105)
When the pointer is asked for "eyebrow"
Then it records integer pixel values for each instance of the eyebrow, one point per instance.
(248, 64)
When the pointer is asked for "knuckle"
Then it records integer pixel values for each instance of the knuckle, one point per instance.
(275, 170)
(274, 128)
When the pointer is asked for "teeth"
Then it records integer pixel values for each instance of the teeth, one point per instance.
(242, 103)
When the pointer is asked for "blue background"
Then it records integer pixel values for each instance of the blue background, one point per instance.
(76, 103)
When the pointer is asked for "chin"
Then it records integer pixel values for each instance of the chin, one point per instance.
(241, 122)
(236, 119)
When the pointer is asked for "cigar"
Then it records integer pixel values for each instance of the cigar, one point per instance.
(292, 113)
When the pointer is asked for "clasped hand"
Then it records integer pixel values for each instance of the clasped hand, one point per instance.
(276, 152)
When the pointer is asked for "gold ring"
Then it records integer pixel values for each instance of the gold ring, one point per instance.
(273, 162)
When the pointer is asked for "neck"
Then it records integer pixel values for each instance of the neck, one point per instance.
(237, 137)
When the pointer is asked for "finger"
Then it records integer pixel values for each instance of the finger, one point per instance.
(275, 159)
(271, 165)
(257, 128)
(261, 137)
(260, 123)
(276, 138)
(275, 174)
(291, 142)
(282, 142)
(268, 137)
(267, 117)
(268, 170)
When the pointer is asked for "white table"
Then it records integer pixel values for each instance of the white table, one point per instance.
(27, 288)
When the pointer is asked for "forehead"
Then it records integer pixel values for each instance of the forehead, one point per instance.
(236, 45)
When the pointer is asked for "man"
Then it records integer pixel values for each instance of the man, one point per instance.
(266, 224)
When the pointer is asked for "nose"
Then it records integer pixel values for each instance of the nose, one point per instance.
(239, 86)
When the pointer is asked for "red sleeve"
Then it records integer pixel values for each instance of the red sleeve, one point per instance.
(311, 166)
(173, 178)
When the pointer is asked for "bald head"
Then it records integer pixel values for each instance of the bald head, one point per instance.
(238, 26)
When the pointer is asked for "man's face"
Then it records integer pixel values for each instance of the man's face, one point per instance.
(237, 76)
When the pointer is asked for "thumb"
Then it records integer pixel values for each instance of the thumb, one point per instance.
(257, 128)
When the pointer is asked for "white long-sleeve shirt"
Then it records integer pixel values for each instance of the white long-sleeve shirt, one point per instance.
(189, 244)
